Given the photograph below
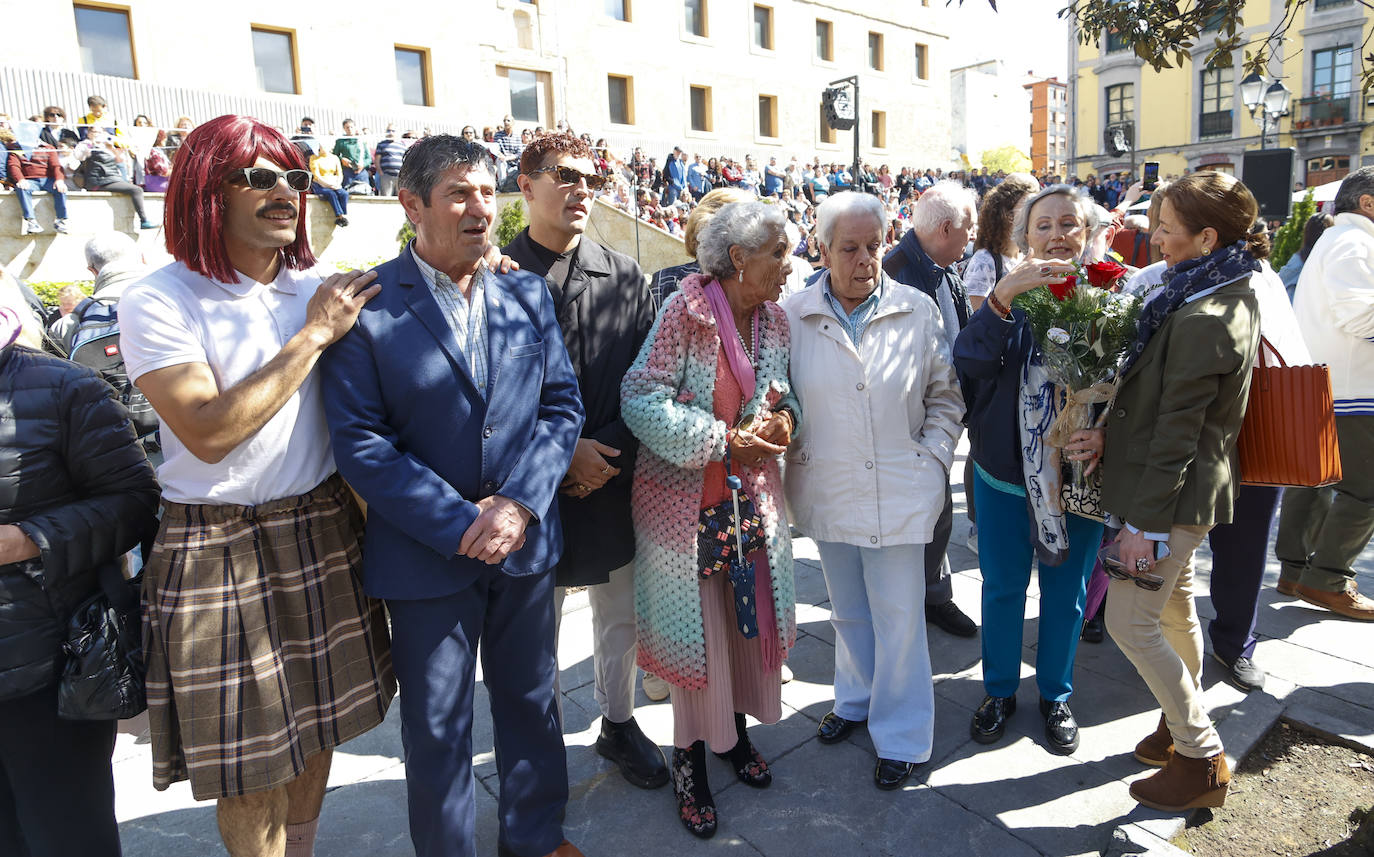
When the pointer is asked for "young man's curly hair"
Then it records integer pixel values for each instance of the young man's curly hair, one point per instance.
(550, 147)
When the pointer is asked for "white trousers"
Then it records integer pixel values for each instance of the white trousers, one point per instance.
(614, 645)
(882, 663)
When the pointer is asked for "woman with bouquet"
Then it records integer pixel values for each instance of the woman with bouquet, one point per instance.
(1010, 408)
(1171, 476)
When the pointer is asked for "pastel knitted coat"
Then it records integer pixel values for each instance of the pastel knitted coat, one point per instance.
(666, 400)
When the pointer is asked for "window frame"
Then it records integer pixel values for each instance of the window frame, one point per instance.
(1121, 88)
(829, 56)
(877, 124)
(754, 46)
(128, 14)
(881, 65)
(707, 107)
(627, 7)
(1212, 93)
(773, 110)
(705, 16)
(921, 71)
(426, 73)
(824, 129)
(292, 43)
(505, 71)
(629, 81)
(1334, 85)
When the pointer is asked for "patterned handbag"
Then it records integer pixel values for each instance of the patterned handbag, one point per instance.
(1085, 500)
(716, 533)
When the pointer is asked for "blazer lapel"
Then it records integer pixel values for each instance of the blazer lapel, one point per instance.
(420, 302)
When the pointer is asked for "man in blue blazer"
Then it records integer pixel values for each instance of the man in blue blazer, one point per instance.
(454, 412)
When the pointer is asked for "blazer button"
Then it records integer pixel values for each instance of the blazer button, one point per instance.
(1121, 413)
(488, 485)
(859, 386)
(486, 432)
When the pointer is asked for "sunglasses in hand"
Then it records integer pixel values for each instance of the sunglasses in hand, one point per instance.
(266, 178)
(1115, 568)
(569, 176)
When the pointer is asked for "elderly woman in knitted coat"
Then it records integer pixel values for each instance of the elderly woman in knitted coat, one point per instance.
(711, 381)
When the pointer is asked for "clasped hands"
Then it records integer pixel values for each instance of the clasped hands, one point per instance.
(498, 531)
(754, 442)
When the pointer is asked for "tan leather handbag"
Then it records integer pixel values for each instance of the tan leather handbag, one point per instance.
(1289, 433)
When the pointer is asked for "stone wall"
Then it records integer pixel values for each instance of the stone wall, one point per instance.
(369, 238)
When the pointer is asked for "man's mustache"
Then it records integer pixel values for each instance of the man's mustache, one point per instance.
(284, 207)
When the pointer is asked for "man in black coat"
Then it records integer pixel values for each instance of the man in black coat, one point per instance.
(605, 311)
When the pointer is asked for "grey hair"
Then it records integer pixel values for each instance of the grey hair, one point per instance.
(1097, 218)
(747, 225)
(1020, 225)
(430, 156)
(945, 200)
(840, 205)
(1357, 184)
(108, 247)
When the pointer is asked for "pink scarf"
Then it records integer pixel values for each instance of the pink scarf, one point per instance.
(743, 371)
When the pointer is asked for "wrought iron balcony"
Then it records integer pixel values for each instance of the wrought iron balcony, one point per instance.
(1215, 124)
(1321, 111)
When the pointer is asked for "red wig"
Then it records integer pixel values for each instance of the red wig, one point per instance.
(193, 218)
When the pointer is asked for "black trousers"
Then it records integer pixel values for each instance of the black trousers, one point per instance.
(56, 784)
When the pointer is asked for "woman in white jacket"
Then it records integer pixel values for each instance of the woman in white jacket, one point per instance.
(866, 476)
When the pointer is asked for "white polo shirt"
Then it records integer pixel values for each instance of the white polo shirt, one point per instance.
(177, 316)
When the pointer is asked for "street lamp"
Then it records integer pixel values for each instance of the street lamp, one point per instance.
(1270, 102)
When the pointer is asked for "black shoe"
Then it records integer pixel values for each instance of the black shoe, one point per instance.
(640, 760)
(1242, 672)
(696, 808)
(890, 773)
(990, 720)
(834, 728)
(951, 619)
(1093, 632)
(1061, 730)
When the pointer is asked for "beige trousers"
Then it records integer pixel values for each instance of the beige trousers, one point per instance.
(1160, 634)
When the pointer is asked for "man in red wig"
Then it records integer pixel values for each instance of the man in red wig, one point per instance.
(263, 653)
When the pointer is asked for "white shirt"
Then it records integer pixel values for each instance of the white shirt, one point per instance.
(176, 316)
(466, 316)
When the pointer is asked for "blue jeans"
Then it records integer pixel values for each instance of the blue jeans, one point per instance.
(59, 200)
(882, 661)
(1005, 554)
(337, 198)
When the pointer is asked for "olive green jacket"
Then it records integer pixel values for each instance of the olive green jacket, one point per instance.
(1170, 455)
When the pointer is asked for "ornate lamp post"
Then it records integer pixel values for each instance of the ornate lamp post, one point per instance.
(1270, 102)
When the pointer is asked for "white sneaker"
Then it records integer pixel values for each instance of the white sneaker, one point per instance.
(29, 227)
(60, 226)
(654, 687)
(973, 537)
(786, 673)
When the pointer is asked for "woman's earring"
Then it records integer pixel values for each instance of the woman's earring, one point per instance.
(1206, 251)
(740, 275)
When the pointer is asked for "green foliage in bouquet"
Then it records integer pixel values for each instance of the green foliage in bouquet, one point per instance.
(1084, 336)
(1288, 237)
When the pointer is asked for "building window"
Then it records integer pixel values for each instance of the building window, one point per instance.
(825, 40)
(1331, 4)
(1215, 118)
(1115, 43)
(763, 27)
(768, 116)
(695, 12)
(1331, 71)
(700, 98)
(274, 54)
(827, 134)
(106, 41)
(620, 92)
(879, 125)
(618, 9)
(875, 51)
(412, 76)
(524, 95)
(1120, 102)
(922, 60)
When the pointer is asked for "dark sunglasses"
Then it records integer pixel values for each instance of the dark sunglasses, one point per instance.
(569, 176)
(1111, 563)
(266, 178)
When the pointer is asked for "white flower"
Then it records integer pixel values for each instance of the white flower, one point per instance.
(1058, 335)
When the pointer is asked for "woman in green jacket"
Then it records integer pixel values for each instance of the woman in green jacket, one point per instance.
(1171, 466)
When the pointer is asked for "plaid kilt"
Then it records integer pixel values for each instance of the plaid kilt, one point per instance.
(261, 648)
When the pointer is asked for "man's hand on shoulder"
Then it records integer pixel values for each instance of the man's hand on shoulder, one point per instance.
(336, 303)
(498, 531)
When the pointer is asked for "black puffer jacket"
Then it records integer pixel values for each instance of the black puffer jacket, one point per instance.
(75, 481)
(100, 169)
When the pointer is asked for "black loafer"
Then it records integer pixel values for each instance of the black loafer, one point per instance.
(1093, 632)
(640, 760)
(990, 720)
(951, 619)
(1061, 730)
(834, 728)
(891, 774)
(1242, 672)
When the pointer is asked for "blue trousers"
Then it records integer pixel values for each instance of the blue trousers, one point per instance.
(1005, 554)
(59, 200)
(434, 651)
(1239, 550)
(337, 198)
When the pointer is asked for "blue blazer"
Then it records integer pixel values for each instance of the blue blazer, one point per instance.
(416, 440)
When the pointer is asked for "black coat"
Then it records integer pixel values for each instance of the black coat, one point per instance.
(74, 479)
(100, 169)
(605, 312)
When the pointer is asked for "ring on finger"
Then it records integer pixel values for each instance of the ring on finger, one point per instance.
(1142, 564)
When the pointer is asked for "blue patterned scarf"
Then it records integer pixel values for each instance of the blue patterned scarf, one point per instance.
(1181, 282)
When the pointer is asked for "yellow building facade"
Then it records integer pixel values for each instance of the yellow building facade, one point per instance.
(1192, 117)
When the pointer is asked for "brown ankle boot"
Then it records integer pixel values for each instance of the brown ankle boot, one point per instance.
(1185, 783)
(1157, 749)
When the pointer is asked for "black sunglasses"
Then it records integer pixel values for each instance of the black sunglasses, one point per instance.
(266, 178)
(569, 176)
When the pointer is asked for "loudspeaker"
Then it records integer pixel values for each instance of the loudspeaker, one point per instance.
(1269, 175)
(839, 108)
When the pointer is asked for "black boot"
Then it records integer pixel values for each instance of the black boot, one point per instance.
(696, 808)
(640, 760)
(749, 766)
